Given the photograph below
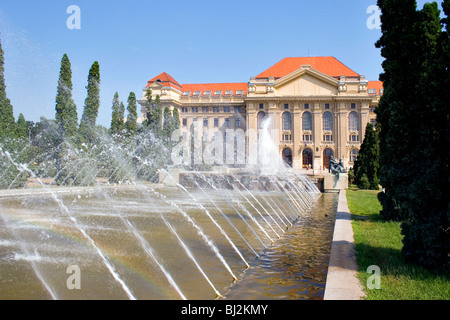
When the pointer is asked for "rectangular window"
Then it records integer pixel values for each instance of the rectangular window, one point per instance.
(239, 92)
(184, 122)
(216, 122)
(205, 122)
(228, 92)
(226, 109)
(327, 106)
(307, 137)
(186, 93)
(217, 92)
(353, 105)
(227, 122)
(261, 105)
(306, 106)
(238, 122)
(237, 109)
(196, 93)
(194, 109)
(286, 106)
(372, 91)
(205, 109)
(207, 93)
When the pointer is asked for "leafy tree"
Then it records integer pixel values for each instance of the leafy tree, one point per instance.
(367, 161)
(66, 110)
(131, 123)
(91, 104)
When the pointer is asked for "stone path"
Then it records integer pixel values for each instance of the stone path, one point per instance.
(342, 282)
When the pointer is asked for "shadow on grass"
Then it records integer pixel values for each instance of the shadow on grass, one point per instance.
(392, 263)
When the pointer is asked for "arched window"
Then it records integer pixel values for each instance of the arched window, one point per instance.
(307, 121)
(260, 117)
(307, 156)
(353, 121)
(327, 121)
(287, 156)
(287, 121)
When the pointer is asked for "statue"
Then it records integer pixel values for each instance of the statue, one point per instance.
(336, 167)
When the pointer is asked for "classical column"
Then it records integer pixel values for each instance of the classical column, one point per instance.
(296, 137)
(317, 136)
(341, 142)
(251, 136)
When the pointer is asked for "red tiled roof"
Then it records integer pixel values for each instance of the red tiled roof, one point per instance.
(213, 87)
(327, 65)
(165, 79)
(375, 85)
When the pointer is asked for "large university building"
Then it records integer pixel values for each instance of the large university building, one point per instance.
(318, 108)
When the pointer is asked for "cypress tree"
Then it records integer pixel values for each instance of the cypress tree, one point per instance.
(367, 161)
(66, 110)
(21, 127)
(155, 116)
(398, 46)
(131, 123)
(91, 104)
(414, 119)
(116, 125)
(148, 96)
(167, 123)
(426, 224)
(176, 118)
(7, 121)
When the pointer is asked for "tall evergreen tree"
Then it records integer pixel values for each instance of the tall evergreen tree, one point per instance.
(176, 118)
(155, 117)
(426, 227)
(414, 118)
(397, 45)
(367, 161)
(167, 123)
(131, 123)
(148, 97)
(91, 104)
(116, 125)
(7, 121)
(66, 110)
(21, 127)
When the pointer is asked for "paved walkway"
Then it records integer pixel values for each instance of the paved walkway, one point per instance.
(342, 282)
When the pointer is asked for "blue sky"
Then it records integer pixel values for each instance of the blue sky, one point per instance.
(194, 41)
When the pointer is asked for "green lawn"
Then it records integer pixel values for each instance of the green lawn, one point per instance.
(379, 243)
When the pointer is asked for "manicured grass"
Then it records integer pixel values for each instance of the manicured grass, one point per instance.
(379, 243)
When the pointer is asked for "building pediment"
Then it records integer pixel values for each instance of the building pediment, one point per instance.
(306, 81)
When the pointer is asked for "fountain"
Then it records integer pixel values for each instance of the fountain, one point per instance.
(204, 236)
